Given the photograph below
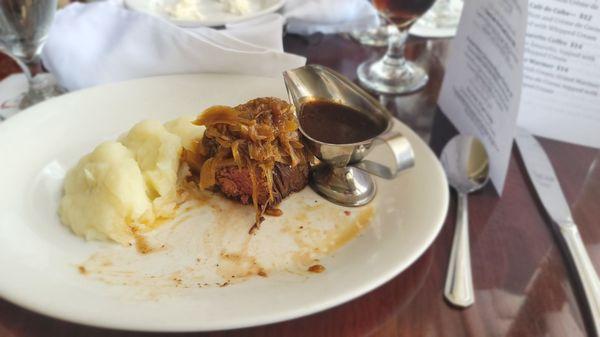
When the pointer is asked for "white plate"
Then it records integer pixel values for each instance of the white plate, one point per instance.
(422, 30)
(39, 256)
(214, 14)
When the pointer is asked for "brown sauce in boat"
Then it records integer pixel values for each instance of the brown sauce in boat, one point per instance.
(334, 123)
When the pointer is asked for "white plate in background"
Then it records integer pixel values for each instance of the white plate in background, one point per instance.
(420, 29)
(212, 11)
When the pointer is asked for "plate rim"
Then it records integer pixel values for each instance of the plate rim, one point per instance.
(330, 302)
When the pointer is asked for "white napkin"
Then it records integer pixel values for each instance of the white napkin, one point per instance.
(91, 44)
(329, 16)
(103, 42)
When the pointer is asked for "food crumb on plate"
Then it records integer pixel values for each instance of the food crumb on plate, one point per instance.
(316, 268)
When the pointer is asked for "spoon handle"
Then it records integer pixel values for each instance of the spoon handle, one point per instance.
(459, 282)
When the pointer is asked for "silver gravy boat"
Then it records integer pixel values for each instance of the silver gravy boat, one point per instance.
(343, 175)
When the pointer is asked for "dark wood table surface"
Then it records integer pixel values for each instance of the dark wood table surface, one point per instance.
(523, 283)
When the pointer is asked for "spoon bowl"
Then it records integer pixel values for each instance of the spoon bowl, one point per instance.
(466, 164)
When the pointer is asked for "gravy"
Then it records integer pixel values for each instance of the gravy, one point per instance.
(335, 123)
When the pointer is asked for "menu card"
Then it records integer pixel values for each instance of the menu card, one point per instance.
(561, 71)
(546, 81)
(481, 89)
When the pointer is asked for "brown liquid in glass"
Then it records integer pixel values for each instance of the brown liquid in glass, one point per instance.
(334, 123)
(403, 12)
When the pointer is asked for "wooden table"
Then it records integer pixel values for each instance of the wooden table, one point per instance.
(523, 285)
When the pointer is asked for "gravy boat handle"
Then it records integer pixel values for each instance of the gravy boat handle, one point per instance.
(401, 150)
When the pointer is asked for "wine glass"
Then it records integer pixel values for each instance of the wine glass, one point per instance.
(24, 26)
(444, 14)
(393, 74)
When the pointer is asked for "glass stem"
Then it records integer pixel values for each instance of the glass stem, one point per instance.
(395, 53)
(30, 69)
(37, 91)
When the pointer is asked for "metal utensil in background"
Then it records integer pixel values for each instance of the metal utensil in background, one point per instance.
(548, 189)
(466, 164)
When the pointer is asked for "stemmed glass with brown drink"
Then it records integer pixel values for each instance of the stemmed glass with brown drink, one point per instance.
(393, 74)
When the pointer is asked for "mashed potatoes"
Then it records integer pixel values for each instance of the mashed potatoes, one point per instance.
(105, 194)
(187, 132)
(157, 153)
(123, 187)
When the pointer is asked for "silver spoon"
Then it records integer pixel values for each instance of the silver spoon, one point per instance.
(466, 164)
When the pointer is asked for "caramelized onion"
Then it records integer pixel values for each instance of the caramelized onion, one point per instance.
(220, 114)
